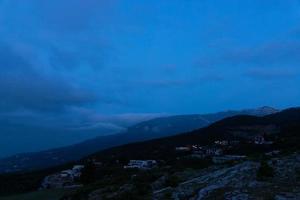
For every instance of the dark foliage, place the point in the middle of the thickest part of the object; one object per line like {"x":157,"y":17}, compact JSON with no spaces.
{"x":265,"y":171}
{"x":88,"y":173}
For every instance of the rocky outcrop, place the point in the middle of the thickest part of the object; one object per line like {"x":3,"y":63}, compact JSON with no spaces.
{"x":240,"y":182}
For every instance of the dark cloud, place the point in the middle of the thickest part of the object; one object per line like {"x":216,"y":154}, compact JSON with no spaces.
{"x":165,"y":83}
{"x":94,"y":56}
{"x":285,"y":52}
{"x":270,"y":54}
{"x":272,"y":74}
{"x":23,"y":87}
{"x":75,"y":15}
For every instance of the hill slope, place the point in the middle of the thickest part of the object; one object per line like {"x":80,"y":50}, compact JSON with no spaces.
{"x":284,"y":125}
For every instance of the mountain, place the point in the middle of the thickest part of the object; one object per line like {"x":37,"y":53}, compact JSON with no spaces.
{"x":155,"y":128}
{"x":33,"y":138}
{"x":165,"y":126}
{"x":284,"y":125}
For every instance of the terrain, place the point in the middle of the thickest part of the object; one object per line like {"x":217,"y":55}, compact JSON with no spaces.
{"x":155,"y":128}
{"x":180,"y":176}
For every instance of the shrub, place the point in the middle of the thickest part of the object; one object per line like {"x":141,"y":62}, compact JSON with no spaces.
{"x":172,"y":181}
{"x":265,"y":171}
{"x":88,"y":173}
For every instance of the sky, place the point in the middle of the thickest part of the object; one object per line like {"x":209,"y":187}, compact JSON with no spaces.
{"x":95,"y":63}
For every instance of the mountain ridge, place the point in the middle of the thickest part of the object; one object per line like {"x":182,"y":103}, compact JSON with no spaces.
{"x":287,"y":122}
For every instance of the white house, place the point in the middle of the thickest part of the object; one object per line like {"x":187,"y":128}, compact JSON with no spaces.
{"x":214,"y":151}
{"x":222,"y":142}
{"x":63,"y":179}
{"x":141,"y":164}
{"x":182,"y":148}
{"x":77,"y":170}
{"x":259,"y":139}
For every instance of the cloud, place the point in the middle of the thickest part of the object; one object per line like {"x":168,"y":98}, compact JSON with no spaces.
{"x":270,"y":54}
{"x":89,"y":54}
{"x":60,"y":33}
{"x":60,"y":15}
{"x":164,"y":83}
{"x":285,"y":52}
{"x":23,"y":87}
{"x":272,"y":74}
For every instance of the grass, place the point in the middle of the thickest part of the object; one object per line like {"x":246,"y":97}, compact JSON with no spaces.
{"x":55,"y":194}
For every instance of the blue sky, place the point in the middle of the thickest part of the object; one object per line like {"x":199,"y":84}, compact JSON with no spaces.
{"x":88,"y":61}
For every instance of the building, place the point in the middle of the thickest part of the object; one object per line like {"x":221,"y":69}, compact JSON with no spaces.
{"x":63,"y":179}
{"x":76,"y":171}
{"x":259,"y":139}
{"x":186,"y":148}
{"x":222,"y":142}
{"x":196,"y":147}
{"x":141,"y":164}
{"x":272,"y":153}
{"x":213,"y":151}
{"x":59,"y":180}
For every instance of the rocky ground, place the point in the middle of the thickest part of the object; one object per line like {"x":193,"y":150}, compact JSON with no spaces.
{"x":244,"y":180}
{"x":240,"y":182}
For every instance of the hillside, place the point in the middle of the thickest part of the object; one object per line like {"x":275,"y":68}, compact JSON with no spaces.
{"x":285,"y":124}
{"x":155,"y":128}
{"x":283,"y":128}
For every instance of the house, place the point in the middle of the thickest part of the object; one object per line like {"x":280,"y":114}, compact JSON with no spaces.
{"x":259,"y":139}
{"x":272,"y":153}
{"x":186,"y":148}
{"x":63,"y":179}
{"x":76,"y":171}
{"x":196,"y":147}
{"x":222,"y":142}
{"x":67,"y":173}
{"x":58,"y":180}
{"x":213,"y":151}
{"x":141,"y":164}
{"x":199,"y":153}
{"x":208,"y":151}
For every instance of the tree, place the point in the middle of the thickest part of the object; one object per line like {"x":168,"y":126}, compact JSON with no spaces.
{"x":88,"y":173}
{"x":265,"y":170}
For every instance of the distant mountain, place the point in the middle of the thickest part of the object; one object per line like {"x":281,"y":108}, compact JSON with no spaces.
{"x":165,"y":126}
{"x":283,"y":126}
{"x":155,"y":128}
{"x":16,"y":137}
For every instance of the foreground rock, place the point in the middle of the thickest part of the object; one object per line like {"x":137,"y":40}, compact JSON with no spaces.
{"x":240,"y":182}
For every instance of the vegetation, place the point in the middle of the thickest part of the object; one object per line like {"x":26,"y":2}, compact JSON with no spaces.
{"x":265,"y":171}
{"x":88,"y":173}
{"x":172,"y":181}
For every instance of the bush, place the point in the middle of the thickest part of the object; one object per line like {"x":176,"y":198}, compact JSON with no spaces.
{"x":265,"y":171}
{"x":172,"y":181}
{"x":168,"y":195}
{"x":88,"y":173}
{"x":298,"y":173}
